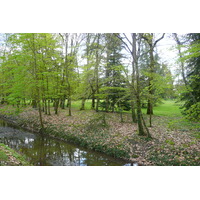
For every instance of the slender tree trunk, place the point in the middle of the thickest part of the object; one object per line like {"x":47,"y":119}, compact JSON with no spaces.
{"x":62,"y":102}
{"x":49,"y":109}
{"x":83,"y":104}
{"x":97,"y":73}
{"x":142,"y":131}
{"x":133,"y":114}
{"x":56,"y":105}
{"x":40,"y":117}
{"x":70,"y":106}
{"x":97,"y":105}
{"x":121,"y":113}
{"x":34,"y":103}
{"x":38,"y":95}
{"x":133,"y":79}
{"x":150,"y":103}
{"x":93,"y":101}
{"x":45,"y":106}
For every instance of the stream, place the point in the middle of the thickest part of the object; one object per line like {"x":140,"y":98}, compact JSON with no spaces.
{"x":46,"y":151}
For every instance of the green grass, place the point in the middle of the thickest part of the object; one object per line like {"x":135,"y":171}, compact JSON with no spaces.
{"x":167,"y":108}
{"x":77,"y":104}
{"x":5,"y":155}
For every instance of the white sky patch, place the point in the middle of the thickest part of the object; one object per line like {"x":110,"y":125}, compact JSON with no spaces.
{"x":167,"y":52}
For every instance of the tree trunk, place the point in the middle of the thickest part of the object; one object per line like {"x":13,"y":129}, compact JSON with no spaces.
{"x":107,"y":104}
{"x":70,"y":106}
{"x":149,"y":108}
{"x":56,"y":105}
{"x":133,"y":114}
{"x":49,"y":111}
{"x":40,"y":117}
{"x":97,"y":71}
{"x":150,"y":103}
{"x":34,"y":103}
{"x":93,"y":102}
{"x":45,"y":106}
{"x":142,"y":130}
{"x":83,"y":104}
{"x":62,"y":102}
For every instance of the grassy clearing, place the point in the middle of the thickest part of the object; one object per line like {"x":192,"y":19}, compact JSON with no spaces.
{"x":174,"y":120}
{"x":77,"y":104}
{"x":168,"y":108}
{"x":9,"y":157}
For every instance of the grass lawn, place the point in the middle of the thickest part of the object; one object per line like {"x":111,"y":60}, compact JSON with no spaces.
{"x":168,"y":108}
{"x":77,"y":104}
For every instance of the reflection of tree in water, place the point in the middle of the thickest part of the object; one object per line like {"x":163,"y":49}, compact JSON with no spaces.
{"x":46,"y":151}
{"x":91,"y":159}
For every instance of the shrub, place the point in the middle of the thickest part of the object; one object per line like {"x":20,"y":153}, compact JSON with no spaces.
{"x":193,"y":113}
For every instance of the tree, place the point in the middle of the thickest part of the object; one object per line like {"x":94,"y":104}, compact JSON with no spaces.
{"x":30,"y":58}
{"x":149,"y":38}
{"x":133,"y":46}
{"x":113,"y":81}
{"x":191,"y":96}
{"x":69,"y":83}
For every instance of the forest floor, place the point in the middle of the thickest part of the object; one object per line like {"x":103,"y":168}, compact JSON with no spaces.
{"x":175,"y":141}
{"x":8,"y":157}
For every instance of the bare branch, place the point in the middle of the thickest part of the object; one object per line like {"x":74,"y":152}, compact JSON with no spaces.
{"x":158,"y":40}
{"x":127,"y":39}
{"x":61,"y":36}
{"x":127,"y":47}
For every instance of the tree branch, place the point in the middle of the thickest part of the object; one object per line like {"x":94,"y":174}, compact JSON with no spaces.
{"x":158,"y":40}
{"x":123,"y":42}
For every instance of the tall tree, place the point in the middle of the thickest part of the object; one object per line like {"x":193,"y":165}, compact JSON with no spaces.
{"x":31,"y":56}
{"x":191,"y":96}
{"x":150,"y":39}
{"x":114,"y":80}
{"x":133,"y":45}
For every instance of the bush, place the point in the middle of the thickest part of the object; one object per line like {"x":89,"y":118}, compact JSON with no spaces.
{"x":193,"y":113}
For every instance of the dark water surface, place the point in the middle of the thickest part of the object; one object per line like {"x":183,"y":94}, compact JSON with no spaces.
{"x":47,"y":151}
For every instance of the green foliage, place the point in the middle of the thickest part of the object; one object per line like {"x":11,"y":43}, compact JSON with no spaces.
{"x":191,"y":94}
{"x":3,"y":157}
{"x":170,"y":142}
{"x":193,"y":113}
{"x":97,"y":123}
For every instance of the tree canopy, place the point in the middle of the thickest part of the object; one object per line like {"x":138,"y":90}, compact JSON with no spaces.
{"x":117,"y":71}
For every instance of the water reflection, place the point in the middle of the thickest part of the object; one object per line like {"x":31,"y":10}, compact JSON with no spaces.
{"x":46,"y":151}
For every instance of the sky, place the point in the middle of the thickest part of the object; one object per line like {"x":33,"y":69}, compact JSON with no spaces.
{"x":167,"y":52}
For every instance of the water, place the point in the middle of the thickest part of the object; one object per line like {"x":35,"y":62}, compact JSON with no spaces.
{"x":47,"y":151}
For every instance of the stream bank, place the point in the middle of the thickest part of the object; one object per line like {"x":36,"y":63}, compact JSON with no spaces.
{"x":86,"y":131}
{"x":103,"y":132}
{"x":42,"y":150}
{"x":9,"y":157}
